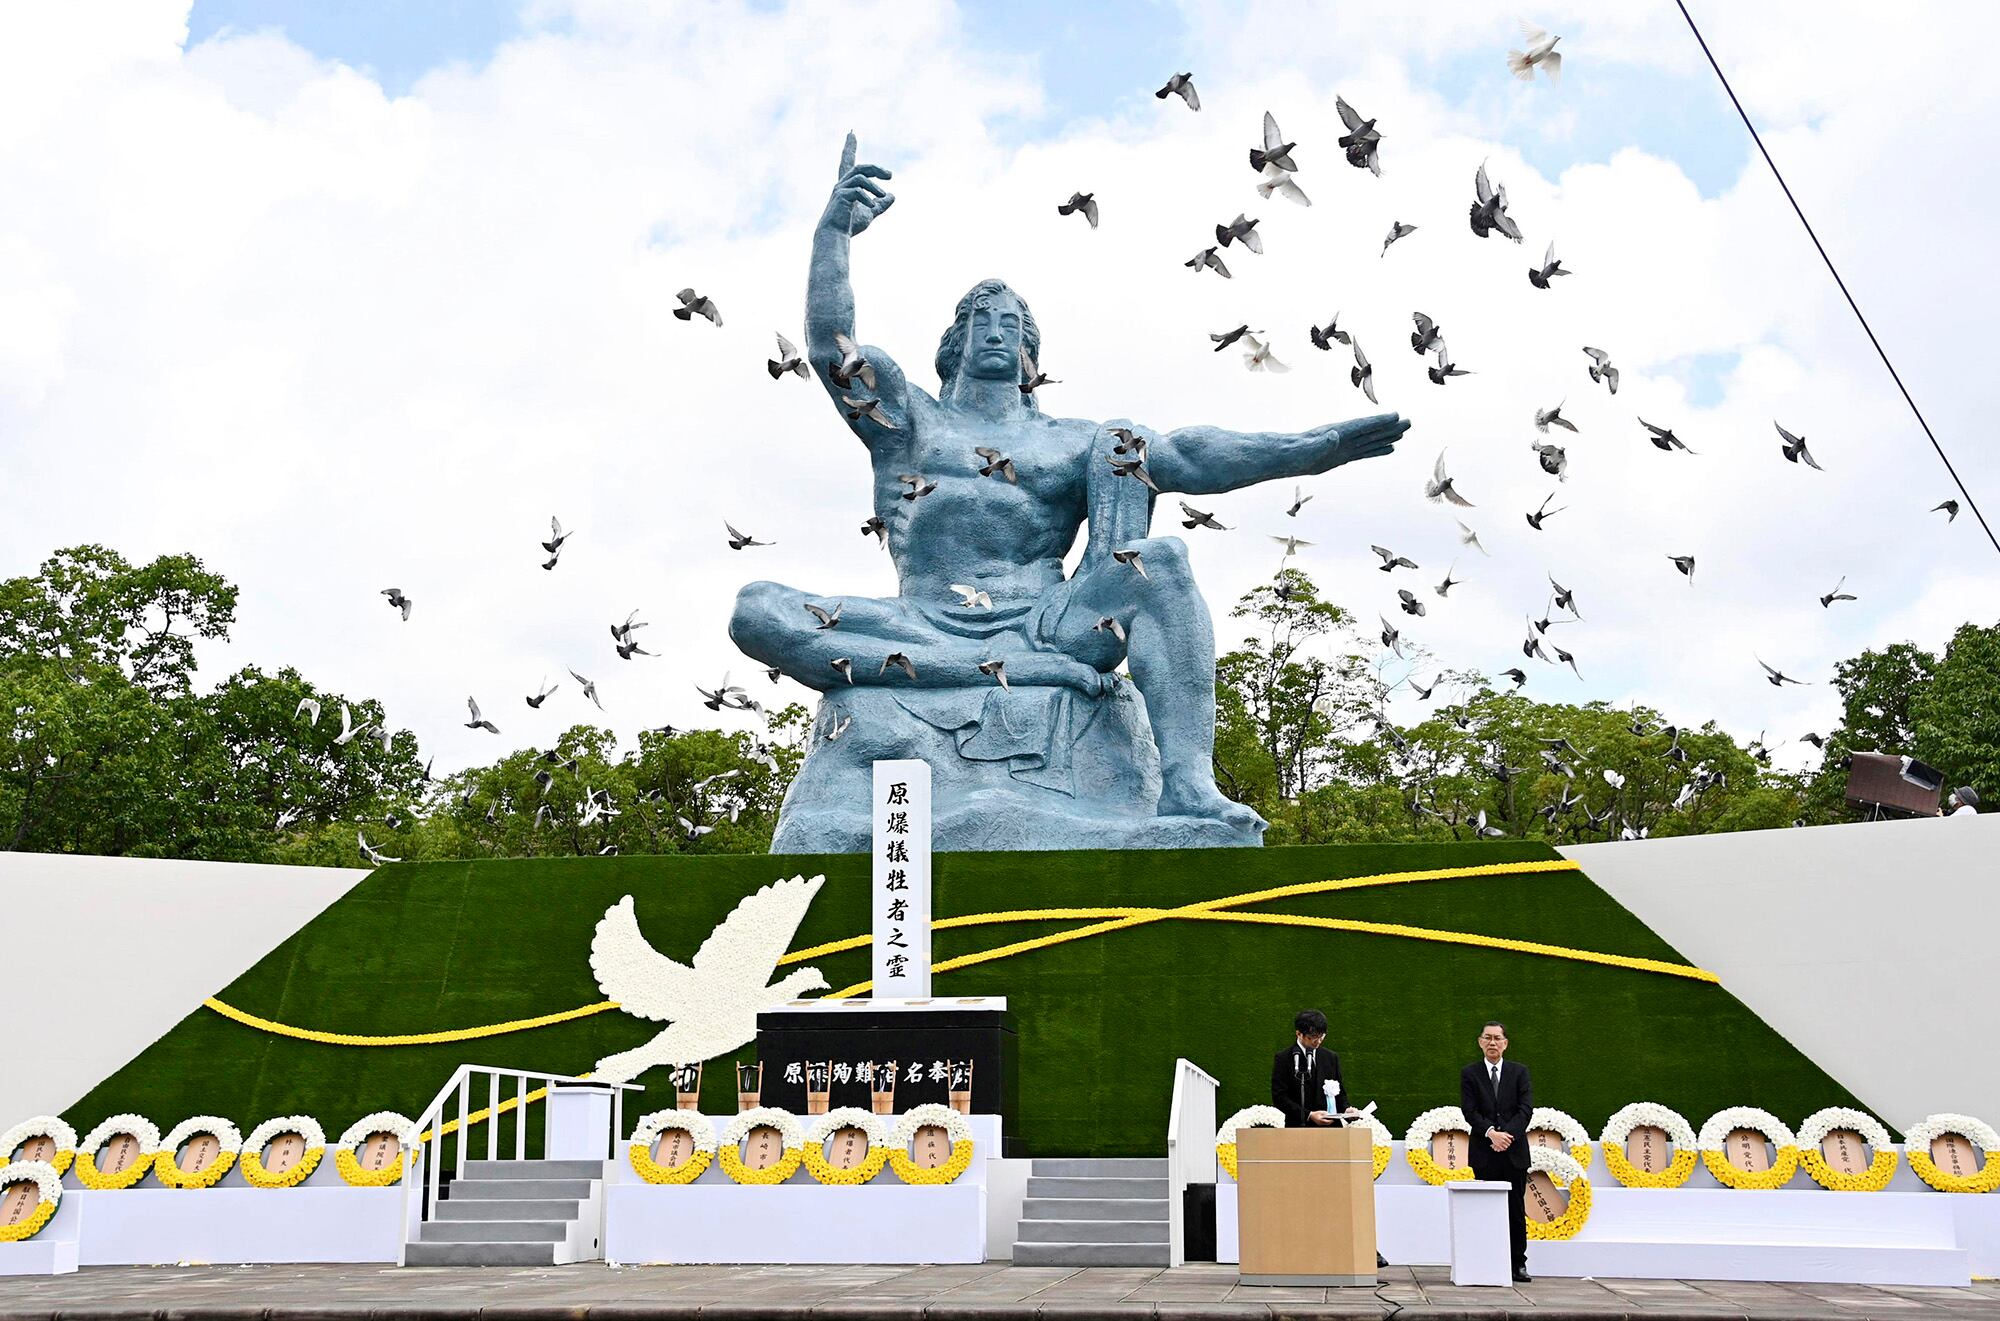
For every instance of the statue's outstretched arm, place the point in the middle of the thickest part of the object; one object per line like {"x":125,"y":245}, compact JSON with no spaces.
{"x":855,"y":202}
{"x":1200,"y":460}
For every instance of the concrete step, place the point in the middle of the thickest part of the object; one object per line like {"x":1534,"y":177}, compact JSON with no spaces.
{"x":1070,"y":1167}
{"x":1090,"y":1254}
{"x":479,"y":1254}
{"x":1093,"y":1231}
{"x":534,"y":1169}
{"x":1092,"y":1208}
{"x":1124,"y":1189}
{"x":493,"y":1231}
{"x":491,"y":1190}
{"x":562,"y":1208}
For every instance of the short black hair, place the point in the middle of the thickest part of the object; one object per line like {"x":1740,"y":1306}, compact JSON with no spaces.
{"x":1493,"y":1022}
{"x":1309,"y":1023}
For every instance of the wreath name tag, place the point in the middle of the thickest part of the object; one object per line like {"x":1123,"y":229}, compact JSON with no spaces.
{"x":847,"y":1148}
{"x":1845,"y":1152}
{"x":119,"y":1154}
{"x":1548,"y":1139}
{"x":1954,"y":1154}
{"x":19,"y":1201}
{"x":198,"y":1153}
{"x":1544,"y":1201}
{"x":1748,"y":1150}
{"x":1449,"y":1149}
{"x":930,"y":1148}
{"x":283,"y":1151}
{"x":1649,"y":1149}
{"x":379,"y":1150}
{"x":763,"y":1147}
{"x":39,"y":1147}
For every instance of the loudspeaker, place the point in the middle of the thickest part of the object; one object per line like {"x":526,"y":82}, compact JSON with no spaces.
{"x":1889,"y":783}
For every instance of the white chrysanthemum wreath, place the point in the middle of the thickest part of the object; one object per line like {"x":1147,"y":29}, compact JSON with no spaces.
{"x":825,"y":1126}
{"x":347,"y":1159}
{"x":252,"y":1160}
{"x":1917,"y":1141}
{"x":696,"y":1125}
{"x":730,"y":1145}
{"x":1417,"y":1144}
{"x":1649,"y":1114}
{"x":138,"y":1126}
{"x":48,"y":1187}
{"x":1724,"y":1122}
{"x":1882,"y":1152}
{"x":956,"y":1128}
{"x":167,"y":1164}
{"x":1576,"y":1138}
{"x":51,"y":1127}
{"x":1567,"y":1173}
{"x":1250,"y":1116}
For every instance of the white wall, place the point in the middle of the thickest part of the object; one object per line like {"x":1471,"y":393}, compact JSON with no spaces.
{"x":1870,"y":947}
{"x":108,"y":953}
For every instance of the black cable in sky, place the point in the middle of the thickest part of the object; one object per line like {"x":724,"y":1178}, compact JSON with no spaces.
{"x":1835,"y":272}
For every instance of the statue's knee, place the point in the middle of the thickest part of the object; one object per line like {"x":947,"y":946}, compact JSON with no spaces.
{"x":1166,"y":558}
{"x":758,"y":614}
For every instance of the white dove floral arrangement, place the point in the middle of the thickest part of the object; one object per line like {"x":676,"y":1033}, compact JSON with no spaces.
{"x":700,"y":1130}
{"x":1250,"y":1116}
{"x":956,"y":1130}
{"x":1648,"y":1114}
{"x":1917,"y":1141}
{"x":1575,"y":1137}
{"x":138,"y":1127}
{"x":1417,"y":1144}
{"x":711,"y":1003}
{"x":1716,"y":1156}
{"x":51,"y":1127}
{"x":825,"y":1126}
{"x":1566,"y":1172}
{"x":730,"y":1144}
{"x":252,"y":1161}
{"x":1881,"y":1160}
{"x":48,"y":1189}
{"x":347,"y":1160}
{"x":167,"y":1166}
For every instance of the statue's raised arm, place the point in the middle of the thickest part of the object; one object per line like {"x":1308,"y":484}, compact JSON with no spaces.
{"x":865,"y":383}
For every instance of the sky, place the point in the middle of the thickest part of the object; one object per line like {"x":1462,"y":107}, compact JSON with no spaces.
{"x":339,"y":297}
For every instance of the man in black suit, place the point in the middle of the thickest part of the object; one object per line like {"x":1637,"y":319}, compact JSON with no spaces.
{"x":1299,"y":1075}
{"x":1497,"y":1099}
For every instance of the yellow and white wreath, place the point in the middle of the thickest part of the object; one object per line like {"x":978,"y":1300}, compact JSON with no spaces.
{"x":140,"y":1127}
{"x":48,"y":1186}
{"x":1650,"y":1114}
{"x":167,"y":1164}
{"x":1576,"y":1138}
{"x":1417,"y":1144}
{"x":347,"y":1159}
{"x":1567,"y":1172}
{"x":1250,"y":1116}
{"x":1882,"y":1158}
{"x":696,"y":1125}
{"x":1917,"y":1141}
{"x":730,"y":1145}
{"x":51,"y":1127}
{"x":1724,"y":1122}
{"x":825,"y":1126}
{"x":955,"y":1127}
{"x":251,"y":1162}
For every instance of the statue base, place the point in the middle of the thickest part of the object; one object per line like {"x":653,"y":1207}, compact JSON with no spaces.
{"x":1026,"y":768}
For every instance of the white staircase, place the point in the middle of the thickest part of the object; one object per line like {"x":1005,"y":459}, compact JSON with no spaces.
{"x":515,"y":1213}
{"x":1094,"y":1213}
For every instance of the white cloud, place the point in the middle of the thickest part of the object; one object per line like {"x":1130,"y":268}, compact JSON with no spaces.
{"x":332,"y":340}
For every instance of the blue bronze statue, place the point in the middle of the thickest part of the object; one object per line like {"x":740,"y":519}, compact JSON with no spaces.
{"x":990,"y":664}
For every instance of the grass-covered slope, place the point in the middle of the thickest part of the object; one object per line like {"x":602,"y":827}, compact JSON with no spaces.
{"x":424,"y":947}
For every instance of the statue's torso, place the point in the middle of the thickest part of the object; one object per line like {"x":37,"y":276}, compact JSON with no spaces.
{"x":1006,"y":538}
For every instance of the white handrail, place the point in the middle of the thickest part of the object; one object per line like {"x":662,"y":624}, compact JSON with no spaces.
{"x":431,"y":1125}
{"x":1190,"y":1146}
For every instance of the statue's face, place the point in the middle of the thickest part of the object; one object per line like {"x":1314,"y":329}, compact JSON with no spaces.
{"x":993,"y":339}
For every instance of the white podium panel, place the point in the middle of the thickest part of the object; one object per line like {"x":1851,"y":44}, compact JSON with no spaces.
{"x":230,"y":1226}
{"x":1480,"y":1243}
{"x":51,"y":1252}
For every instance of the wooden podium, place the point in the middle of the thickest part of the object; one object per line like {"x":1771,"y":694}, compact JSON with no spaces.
{"x":1305,"y":1206}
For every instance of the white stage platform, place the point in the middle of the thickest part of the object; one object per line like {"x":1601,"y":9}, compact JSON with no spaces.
{"x":51,"y":1252}
{"x":1906,"y":1234}
{"x":715,"y":1221}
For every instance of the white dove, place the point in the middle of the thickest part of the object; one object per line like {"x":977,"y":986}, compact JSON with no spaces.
{"x":712,"y":1005}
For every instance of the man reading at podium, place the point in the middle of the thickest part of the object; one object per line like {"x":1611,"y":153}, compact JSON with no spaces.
{"x":1498,"y":1099}
{"x":1300,"y":1073}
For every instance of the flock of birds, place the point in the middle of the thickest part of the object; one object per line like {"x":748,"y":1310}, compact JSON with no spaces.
{"x":1274,"y":160}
